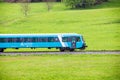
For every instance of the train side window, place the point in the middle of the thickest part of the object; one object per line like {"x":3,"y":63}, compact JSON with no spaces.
{"x":6,"y":40}
{"x":10,"y":40}
{"x":25,"y":39}
{"x":65,"y":39}
{"x":69,"y":39}
{"x":50,"y":39}
{"x":29,"y":39}
{"x":56,"y":39}
{"x":53,"y":39}
{"x":15,"y":39}
{"x":21,"y":39}
{"x":2,"y":40}
{"x":44,"y":39}
{"x":34,"y":39}
{"x":39,"y":39}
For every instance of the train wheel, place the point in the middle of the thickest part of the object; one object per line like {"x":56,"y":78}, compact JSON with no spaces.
{"x":83,"y":48}
{"x":1,"y":50}
{"x":71,"y":50}
{"x":62,"y":49}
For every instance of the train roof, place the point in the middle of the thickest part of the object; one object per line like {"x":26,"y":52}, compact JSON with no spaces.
{"x":46,"y":34}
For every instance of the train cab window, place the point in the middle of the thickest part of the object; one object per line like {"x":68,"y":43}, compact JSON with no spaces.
{"x":73,"y":39}
{"x":78,"y":39}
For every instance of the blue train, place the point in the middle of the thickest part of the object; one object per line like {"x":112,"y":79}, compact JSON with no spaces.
{"x":65,"y":41}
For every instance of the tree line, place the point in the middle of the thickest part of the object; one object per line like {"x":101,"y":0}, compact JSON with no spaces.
{"x":30,"y":0}
{"x":69,"y":3}
{"x":82,"y":3}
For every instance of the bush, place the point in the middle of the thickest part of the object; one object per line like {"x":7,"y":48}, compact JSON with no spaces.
{"x":1,"y":0}
{"x":105,"y":0}
{"x":79,"y":3}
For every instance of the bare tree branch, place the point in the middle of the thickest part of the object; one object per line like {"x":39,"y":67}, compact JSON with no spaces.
{"x":25,"y":6}
{"x":49,"y":4}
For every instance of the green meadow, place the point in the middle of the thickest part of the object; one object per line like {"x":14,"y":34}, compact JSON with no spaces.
{"x":61,"y":67}
{"x":100,"y":25}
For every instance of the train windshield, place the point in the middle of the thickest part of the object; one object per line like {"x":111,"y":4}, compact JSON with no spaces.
{"x":83,"y":39}
{"x":69,"y":39}
{"x":76,"y":39}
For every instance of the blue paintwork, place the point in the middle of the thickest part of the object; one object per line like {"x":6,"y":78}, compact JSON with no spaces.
{"x":30,"y":45}
{"x":38,"y":44}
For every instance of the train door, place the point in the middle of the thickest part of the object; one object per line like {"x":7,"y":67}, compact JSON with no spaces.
{"x":73,"y":42}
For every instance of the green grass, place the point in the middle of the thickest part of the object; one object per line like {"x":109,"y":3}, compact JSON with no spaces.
{"x":60,"y":67}
{"x":100,"y":25}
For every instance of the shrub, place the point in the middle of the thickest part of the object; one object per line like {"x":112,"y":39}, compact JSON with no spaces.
{"x":1,"y":0}
{"x":79,"y":3}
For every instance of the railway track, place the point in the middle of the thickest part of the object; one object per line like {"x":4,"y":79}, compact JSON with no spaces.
{"x":55,"y":52}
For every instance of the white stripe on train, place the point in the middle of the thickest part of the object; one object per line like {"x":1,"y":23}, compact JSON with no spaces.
{"x":60,"y":39}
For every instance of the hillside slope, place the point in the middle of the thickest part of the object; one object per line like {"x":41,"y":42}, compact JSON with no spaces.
{"x":99,"y":25}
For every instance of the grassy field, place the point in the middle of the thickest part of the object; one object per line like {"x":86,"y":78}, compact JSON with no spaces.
{"x":60,"y":67}
{"x":99,"y":25}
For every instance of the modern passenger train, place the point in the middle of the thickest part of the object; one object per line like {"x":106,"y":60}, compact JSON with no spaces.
{"x":61,"y":41}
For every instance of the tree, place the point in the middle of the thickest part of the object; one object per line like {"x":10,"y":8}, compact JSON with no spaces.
{"x":1,"y":0}
{"x":79,"y":3}
{"x":49,"y":4}
{"x":105,"y":0}
{"x":25,"y":6}
{"x":100,"y":1}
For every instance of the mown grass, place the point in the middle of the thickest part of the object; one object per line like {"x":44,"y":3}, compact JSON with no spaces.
{"x":99,"y":25}
{"x":60,"y":67}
